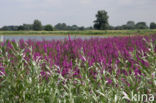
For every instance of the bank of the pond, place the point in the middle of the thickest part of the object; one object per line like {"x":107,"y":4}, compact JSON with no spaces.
{"x":85,"y":32}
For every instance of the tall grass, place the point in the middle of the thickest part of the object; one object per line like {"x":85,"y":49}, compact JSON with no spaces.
{"x":23,"y":81}
{"x":85,"y":32}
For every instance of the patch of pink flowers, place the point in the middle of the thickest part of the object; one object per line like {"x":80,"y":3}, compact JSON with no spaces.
{"x":63,"y":53}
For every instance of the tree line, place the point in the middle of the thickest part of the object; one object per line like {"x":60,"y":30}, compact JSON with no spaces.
{"x":37,"y":26}
{"x":101,"y":23}
{"x":130,"y":25}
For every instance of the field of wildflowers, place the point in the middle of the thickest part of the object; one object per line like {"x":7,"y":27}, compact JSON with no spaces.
{"x":96,"y":70}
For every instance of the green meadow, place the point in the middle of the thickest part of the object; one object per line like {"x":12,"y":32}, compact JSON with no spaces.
{"x":85,"y":32}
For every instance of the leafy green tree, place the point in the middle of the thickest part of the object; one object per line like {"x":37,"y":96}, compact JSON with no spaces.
{"x":118,"y":27}
{"x":130,"y":25}
{"x":89,"y":28}
{"x":81,"y":28}
{"x":111,"y":27}
{"x":61,"y":26}
{"x":74,"y":27}
{"x":48,"y":27}
{"x":10,"y":28}
{"x":28,"y":26}
{"x":37,"y":25}
{"x":101,"y":22}
{"x":141,"y":25}
{"x":20,"y":27}
{"x":152,"y":25}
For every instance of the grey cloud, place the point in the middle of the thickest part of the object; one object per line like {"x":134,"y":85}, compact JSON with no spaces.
{"x":80,"y":12}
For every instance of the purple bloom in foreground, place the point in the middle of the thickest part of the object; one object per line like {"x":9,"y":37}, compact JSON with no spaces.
{"x":109,"y":81}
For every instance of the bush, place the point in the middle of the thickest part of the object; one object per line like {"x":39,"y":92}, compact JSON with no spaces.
{"x":48,"y":27}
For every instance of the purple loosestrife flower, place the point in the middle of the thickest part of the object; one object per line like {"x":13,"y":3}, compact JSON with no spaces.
{"x":76,"y":72}
{"x":36,"y":55}
{"x":102,"y":50}
{"x":66,"y":66}
{"x":45,"y":75}
{"x":125,"y":72}
{"x":137,"y":71}
{"x":145,"y":63}
{"x":109,"y":81}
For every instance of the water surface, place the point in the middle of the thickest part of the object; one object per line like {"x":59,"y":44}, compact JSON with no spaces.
{"x":43,"y":37}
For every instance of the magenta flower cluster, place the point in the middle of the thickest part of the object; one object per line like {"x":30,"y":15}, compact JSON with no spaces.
{"x":105,"y":51}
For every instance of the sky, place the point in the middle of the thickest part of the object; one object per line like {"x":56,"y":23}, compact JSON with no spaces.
{"x":79,"y":12}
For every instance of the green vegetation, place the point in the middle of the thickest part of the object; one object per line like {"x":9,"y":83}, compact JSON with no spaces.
{"x":141,"y":25}
{"x":22,"y":81}
{"x":101,"y":22}
{"x":48,"y":27}
{"x":153,"y":25}
{"x":37,"y":25}
{"x":85,"y":32}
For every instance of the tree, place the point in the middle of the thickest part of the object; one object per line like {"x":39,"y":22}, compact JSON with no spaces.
{"x":10,"y":28}
{"x":74,"y":27}
{"x":48,"y":27}
{"x":20,"y":27}
{"x":152,"y":25}
{"x":118,"y":28}
{"x":37,"y":25}
{"x":81,"y":28}
{"x":28,"y":26}
{"x":101,"y":22}
{"x":61,"y":26}
{"x":141,"y":25}
{"x":130,"y":25}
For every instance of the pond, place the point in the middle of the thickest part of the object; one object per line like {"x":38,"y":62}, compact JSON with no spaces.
{"x":43,"y":37}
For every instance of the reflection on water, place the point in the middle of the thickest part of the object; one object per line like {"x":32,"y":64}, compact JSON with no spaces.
{"x":1,"y":38}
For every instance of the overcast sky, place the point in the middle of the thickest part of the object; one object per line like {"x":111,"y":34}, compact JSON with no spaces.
{"x":79,"y":12}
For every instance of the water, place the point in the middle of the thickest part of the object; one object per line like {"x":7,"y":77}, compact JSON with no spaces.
{"x":41,"y":37}
{"x":1,"y":38}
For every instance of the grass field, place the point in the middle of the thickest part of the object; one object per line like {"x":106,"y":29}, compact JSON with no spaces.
{"x":85,"y":32}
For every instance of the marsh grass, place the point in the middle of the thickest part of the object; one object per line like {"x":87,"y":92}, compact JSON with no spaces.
{"x":85,"y":32}
{"x":23,"y":82}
